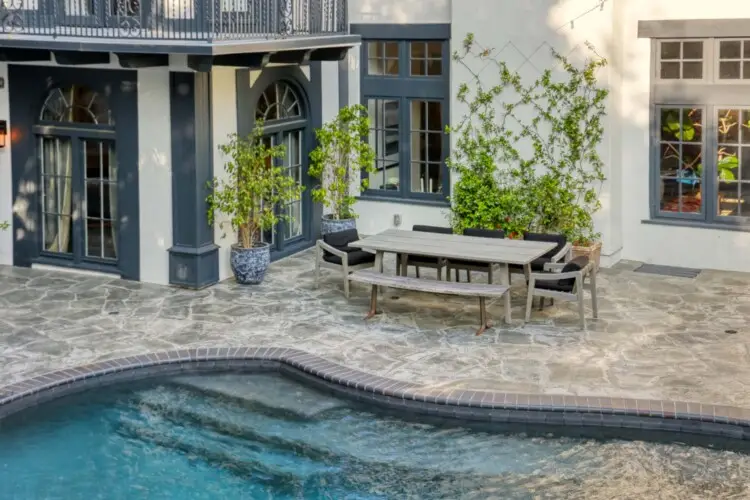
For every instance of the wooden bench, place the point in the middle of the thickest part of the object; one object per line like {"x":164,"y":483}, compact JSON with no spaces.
{"x":481,"y":290}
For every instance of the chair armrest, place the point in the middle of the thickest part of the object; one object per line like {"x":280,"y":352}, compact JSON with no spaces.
{"x":328,"y":248}
{"x":563,"y":253}
{"x":555,"y":276}
{"x":554,"y":266}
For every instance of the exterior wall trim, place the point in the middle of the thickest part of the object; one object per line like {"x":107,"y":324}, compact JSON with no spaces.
{"x":28,"y":86}
{"x":694,"y":28}
{"x":403,"y":31}
{"x":193,"y":258}
{"x":247,"y":99}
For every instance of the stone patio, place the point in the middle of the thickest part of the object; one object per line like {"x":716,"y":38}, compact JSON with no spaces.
{"x":657,"y":337}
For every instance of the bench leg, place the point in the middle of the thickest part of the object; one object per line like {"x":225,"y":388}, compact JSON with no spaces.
{"x":483,"y":319}
{"x":373,"y":302}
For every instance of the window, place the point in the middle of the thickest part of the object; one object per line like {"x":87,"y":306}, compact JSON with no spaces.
{"x":382,"y":58}
{"x":681,"y":60}
{"x":405,"y":87}
{"x":701,"y":142}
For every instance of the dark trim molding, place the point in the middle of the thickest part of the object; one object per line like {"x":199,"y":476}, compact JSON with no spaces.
{"x":693,"y":28}
{"x":311,"y":92}
{"x":193,"y":47}
{"x":654,"y":420}
{"x":193,"y":258}
{"x":28,"y":87}
{"x":402,"y":31}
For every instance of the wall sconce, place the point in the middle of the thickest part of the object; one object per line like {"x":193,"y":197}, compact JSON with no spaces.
{"x":3,"y":132}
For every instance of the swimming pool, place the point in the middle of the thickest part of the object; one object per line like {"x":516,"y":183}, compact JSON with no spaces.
{"x":265,"y":436}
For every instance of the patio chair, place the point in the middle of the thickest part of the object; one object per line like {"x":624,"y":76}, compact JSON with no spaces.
{"x":564,"y":282}
{"x":334,"y":252}
{"x":561,"y":252}
{"x":469,"y":265}
{"x":423,"y":260}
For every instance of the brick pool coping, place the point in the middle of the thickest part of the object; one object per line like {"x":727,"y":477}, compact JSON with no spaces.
{"x":465,"y":404}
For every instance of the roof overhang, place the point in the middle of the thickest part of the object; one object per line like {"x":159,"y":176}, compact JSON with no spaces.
{"x":202,"y":55}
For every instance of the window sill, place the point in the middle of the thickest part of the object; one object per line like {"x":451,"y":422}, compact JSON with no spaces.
{"x":405,"y":201}
{"x":697,"y":225}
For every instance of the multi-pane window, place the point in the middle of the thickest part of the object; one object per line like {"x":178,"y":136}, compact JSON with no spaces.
{"x":384,"y":138}
{"x":681,"y":60}
{"x":426,"y":146}
{"x":733,"y":162}
{"x":382,"y":58}
{"x":734,"y":59}
{"x":701,"y":167}
{"x":405,"y":88}
{"x":425,"y":58}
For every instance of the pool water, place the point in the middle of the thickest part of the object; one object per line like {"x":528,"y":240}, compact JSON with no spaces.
{"x":236,"y":436}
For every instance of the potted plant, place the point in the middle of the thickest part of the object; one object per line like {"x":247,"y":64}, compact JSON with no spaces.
{"x":249,"y":195}
{"x":342,"y":154}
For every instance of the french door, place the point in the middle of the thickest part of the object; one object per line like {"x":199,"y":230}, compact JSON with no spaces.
{"x":79,"y":199}
{"x":292,"y":230}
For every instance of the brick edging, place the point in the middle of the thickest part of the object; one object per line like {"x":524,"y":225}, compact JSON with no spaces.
{"x":654,"y":415}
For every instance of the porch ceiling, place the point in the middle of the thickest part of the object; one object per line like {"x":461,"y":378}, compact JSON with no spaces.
{"x":202,"y":55}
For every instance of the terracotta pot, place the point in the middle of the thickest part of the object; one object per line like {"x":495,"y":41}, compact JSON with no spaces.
{"x":592,"y":251}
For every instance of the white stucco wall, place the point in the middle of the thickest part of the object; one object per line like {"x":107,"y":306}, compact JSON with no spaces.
{"x":6,"y":185}
{"x":224,"y":119}
{"x":679,"y":246}
{"x":400,"y":11}
{"x":154,"y":174}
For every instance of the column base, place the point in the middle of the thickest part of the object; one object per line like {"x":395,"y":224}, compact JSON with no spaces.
{"x":194,"y":267}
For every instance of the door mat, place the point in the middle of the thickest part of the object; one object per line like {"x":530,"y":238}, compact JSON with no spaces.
{"x":677,"y":272}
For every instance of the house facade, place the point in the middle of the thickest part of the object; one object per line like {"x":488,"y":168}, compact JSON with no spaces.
{"x":113,"y":115}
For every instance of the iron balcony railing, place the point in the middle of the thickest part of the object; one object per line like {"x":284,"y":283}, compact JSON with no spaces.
{"x":174,"y":19}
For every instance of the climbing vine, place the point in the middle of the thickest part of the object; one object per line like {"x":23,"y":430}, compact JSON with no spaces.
{"x":527,"y":152}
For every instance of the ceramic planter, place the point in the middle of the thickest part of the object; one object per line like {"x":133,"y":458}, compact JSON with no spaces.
{"x":249,"y":265}
{"x":329,"y":225}
{"x":592,"y":251}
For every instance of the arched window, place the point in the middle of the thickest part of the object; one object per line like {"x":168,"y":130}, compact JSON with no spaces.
{"x":279,"y":102}
{"x":76,"y":104}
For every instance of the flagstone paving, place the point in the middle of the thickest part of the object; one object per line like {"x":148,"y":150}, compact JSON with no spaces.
{"x":657,"y":337}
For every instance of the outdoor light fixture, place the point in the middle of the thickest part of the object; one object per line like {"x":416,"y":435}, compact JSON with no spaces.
{"x":3,"y":132}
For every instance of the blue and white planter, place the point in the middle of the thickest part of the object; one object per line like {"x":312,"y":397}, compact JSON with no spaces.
{"x":249,"y":265}
{"x":329,"y":225}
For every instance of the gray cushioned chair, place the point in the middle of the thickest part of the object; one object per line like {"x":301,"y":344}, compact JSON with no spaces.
{"x":418,"y":261}
{"x":469,"y":265}
{"x":333,"y":251}
{"x":564,"y":282}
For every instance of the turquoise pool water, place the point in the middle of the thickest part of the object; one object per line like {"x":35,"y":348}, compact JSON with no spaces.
{"x":265,"y":437}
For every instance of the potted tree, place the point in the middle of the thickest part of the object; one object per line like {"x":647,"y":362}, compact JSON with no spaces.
{"x":342,"y":154}
{"x":249,"y":196}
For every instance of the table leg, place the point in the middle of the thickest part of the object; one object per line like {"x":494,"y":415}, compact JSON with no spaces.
{"x":505,"y":280}
{"x":403,"y":264}
{"x":379,"y":263}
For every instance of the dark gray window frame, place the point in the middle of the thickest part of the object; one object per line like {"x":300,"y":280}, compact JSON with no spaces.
{"x":405,"y":88}
{"x":709,"y":94}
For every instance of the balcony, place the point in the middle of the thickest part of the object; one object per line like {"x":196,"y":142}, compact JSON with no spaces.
{"x":194,"y":27}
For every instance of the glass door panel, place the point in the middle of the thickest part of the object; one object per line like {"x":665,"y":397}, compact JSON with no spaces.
{"x":100,"y":206}
{"x":56,"y":165}
{"x":293,"y":166}
{"x":269,"y":235}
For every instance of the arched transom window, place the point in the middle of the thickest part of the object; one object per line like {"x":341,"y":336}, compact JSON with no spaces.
{"x":279,"y":102}
{"x":76,"y":104}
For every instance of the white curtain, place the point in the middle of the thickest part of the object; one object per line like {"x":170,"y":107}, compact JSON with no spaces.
{"x":58,"y":186}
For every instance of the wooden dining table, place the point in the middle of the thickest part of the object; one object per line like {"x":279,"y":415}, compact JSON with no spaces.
{"x":491,"y":251}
